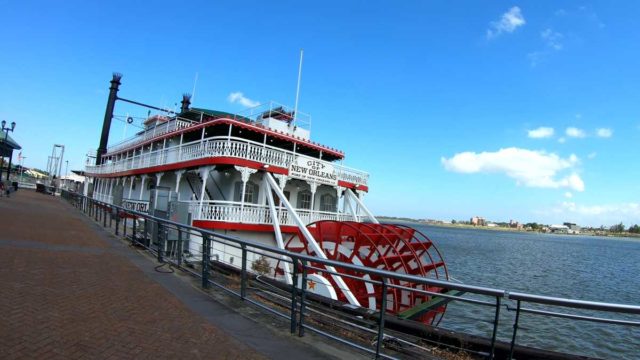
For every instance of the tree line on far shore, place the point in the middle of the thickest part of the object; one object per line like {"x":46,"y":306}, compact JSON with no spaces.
{"x":620,"y":228}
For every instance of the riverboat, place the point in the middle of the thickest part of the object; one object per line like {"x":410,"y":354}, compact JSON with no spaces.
{"x":257,"y":175}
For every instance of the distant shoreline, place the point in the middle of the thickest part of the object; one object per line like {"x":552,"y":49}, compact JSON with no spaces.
{"x":505,"y":229}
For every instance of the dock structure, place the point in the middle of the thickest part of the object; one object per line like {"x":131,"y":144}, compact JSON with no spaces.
{"x":70,"y":290}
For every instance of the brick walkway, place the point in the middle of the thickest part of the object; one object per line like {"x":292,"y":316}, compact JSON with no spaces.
{"x":67,"y":292}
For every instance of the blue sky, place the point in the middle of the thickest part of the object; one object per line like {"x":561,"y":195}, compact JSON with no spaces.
{"x":522,"y":110}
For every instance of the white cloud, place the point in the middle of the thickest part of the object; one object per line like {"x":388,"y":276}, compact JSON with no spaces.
{"x":568,"y":195}
{"x":509,"y":22}
{"x":552,"y":39}
{"x":604,"y":132}
{"x":595,"y":215}
{"x":541,"y":132}
{"x":592,"y":155}
{"x":575,"y":132}
{"x":624,"y":208}
{"x":529,"y":168}
{"x":238,"y":97}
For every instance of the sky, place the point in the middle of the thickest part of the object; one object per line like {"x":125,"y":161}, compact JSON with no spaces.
{"x":524,"y":110}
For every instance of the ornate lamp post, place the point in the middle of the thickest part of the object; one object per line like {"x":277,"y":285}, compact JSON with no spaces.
{"x":6,"y":130}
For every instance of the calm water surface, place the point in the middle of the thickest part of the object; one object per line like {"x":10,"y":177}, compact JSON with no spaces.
{"x":579,"y":267}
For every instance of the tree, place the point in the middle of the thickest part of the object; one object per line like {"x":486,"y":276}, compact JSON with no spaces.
{"x":533,"y":226}
{"x":617,"y":228}
{"x":635,"y":229}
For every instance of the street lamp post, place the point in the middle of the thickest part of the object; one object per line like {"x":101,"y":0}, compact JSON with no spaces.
{"x":6,"y":135}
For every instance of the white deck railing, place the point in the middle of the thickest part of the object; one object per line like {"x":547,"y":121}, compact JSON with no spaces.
{"x":103,"y":197}
{"x":221,"y":147}
{"x":235,"y":212}
{"x":157,"y":130}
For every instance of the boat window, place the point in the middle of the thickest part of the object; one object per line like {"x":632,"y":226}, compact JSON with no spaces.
{"x":328,"y":203}
{"x":304,"y":199}
{"x":250,"y":195}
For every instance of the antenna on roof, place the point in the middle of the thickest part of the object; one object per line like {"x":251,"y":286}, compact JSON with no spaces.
{"x":193,"y":93}
{"x":295,"y":109}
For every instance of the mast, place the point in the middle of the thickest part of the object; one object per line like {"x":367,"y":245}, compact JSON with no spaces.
{"x":295,"y":109}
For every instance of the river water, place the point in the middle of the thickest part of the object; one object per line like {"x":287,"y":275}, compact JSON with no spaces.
{"x":572,"y":266}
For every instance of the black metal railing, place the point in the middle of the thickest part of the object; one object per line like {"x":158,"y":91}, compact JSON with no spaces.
{"x":173,"y":243}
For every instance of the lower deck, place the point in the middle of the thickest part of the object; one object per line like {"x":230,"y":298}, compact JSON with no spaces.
{"x":230,"y":197}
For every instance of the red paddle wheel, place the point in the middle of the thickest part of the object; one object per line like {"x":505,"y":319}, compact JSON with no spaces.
{"x":395,"y":248}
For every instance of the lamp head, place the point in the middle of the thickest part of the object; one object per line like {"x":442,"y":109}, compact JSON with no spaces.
{"x":13,"y":125}
{"x":4,"y":122}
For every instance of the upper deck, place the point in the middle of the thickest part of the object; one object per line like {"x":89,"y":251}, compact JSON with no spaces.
{"x":266,"y":137}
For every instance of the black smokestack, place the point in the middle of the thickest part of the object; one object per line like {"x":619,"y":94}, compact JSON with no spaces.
{"x":108,"y":115}
{"x":186,"y":102}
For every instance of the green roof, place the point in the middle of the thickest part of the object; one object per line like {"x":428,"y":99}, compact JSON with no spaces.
{"x":10,"y":144}
{"x":194,"y":113}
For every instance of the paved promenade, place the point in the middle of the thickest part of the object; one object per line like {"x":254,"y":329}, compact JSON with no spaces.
{"x":68,"y":290}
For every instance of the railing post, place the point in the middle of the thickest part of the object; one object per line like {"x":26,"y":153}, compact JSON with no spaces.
{"x":124,"y":225}
{"x":160,"y":237}
{"x":117,"y":220}
{"x":383,"y":310}
{"x":303,"y":293}
{"x":206,"y":246}
{"x":515,"y":329}
{"x":495,"y":328}
{"x":294,"y":294}
{"x":180,"y":249}
{"x":110,"y":217}
{"x":243,"y":275}
{"x":146,"y":231}
{"x":134,"y":225}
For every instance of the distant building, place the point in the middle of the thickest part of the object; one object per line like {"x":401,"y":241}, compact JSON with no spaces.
{"x":573,"y":228}
{"x":478,"y":221}
{"x":515,"y":225}
{"x":559,"y":229}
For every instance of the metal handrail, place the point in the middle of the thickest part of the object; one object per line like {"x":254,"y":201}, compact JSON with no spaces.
{"x":603,"y":306}
{"x":305,"y":262}
{"x":578,"y":304}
